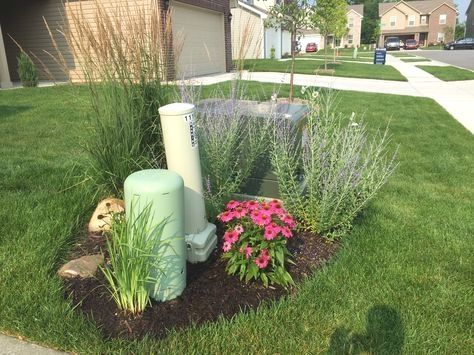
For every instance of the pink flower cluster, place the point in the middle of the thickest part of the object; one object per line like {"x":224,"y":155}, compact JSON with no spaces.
{"x":268,"y":218}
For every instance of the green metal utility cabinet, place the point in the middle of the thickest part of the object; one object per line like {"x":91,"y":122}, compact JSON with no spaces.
{"x":163,"y":190}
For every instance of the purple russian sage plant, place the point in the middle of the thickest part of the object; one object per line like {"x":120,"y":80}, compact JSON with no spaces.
{"x":338,"y":171}
{"x":231,"y":140}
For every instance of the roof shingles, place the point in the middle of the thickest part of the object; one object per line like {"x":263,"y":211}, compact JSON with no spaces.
{"x":423,"y":6}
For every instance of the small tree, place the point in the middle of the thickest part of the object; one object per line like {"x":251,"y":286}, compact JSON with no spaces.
{"x":291,"y":15}
{"x":330,"y":17}
{"x":340,"y":23}
{"x":448,"y":34}
{"x":27,"y":71}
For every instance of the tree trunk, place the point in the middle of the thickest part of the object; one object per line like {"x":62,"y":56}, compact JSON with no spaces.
{"x":293,"y":55}
{"x":326,"y":52}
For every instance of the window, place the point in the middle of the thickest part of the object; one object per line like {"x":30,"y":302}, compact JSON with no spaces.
{"x":423,"y":20}
{"x":440,"y":37}
{"x":393,"y":21}
{"x":442,"y":19}
{"x":351,"y":22}
{"x":350,"y":39}
{"x":411,"y":20}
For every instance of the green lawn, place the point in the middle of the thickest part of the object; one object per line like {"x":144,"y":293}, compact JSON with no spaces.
{"x":330,"y":57}
{"x":433,"y":48}
{"x":400,"y":54}
{"x":401,"y":283}
{"x":448,"y":73}
{"x":413,"y":60}
{"x":351,"y":70}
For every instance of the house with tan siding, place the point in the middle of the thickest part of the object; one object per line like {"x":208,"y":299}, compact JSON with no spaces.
{"x":470,"y":20}
{"x":202,"y":27}
{"x":428,"y":21}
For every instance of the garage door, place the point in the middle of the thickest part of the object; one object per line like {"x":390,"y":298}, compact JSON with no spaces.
{"x":199,"y":41}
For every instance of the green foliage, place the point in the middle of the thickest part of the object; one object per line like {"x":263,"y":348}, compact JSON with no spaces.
{"x":341,"y":168}
{"x":255,"y":241}
{"x":125,"y":134}
{"x":460,"y":30}
{"x":272,"y":53}
{"x":415,"y":237}
{"x":135,"y":251}
{"x":27,"y":71}
{"x":330,"y":18}
{"x":448,"y":34}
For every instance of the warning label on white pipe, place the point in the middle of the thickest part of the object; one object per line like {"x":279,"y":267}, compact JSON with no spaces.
{"x":192,"y":129}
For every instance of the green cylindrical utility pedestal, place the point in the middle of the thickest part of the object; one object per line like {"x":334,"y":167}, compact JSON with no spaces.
{"x":163,"y":191}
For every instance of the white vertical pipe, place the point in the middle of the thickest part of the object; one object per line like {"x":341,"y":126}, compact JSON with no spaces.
{"x":182,"y":157}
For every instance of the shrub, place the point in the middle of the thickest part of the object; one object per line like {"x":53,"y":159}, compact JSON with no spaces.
{"x":133,"y":249}
{"x":272,"y":53}
{"x":27,"y":71}
{"x":123,"y":63}
{"x":255,"y":241}
{"x":327,"y":180}
{"x":230,"y":142}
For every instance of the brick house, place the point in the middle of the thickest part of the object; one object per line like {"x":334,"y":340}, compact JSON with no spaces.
{"x":428,"y":21}
{"x":470,"y":20}
{"x":202,"y":25}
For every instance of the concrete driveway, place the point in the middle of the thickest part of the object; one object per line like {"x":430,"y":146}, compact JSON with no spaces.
{"x":461,"y":58}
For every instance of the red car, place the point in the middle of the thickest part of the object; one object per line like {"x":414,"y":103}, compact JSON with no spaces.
{"x":311,"y":47}
{"x":411,"y":44}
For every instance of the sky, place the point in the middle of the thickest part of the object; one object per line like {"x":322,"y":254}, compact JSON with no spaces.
{"x":462,"y":7}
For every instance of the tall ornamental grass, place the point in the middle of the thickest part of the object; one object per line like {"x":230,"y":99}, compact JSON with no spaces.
{"x":134,"y":249}
{"x":337,"y":169}
{"x":123,"y":57}
{"x":231,"y":141}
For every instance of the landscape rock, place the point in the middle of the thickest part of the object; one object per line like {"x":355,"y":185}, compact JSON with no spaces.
{"x":102,"y":216}
{"x":84,"y":267}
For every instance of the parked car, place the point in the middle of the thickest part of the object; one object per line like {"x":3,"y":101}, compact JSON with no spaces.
{"x":392,"y":43}
{"x":411,"y":44}
{"x":462,"y":43}
{"x":311,"y":47}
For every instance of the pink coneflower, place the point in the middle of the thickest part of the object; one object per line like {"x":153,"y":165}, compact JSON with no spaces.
{"x":289,"y":221}
{"x":269,"y":233}
{"x":276,"y":207}
{"x":263,"y":259}
{"x":275,"y":227}
{"x":226,"y":216}
{"x":266,"y":209}
{"x":226,"y":246}
{"x":248,"y":252}
{"x":286,"y":232}
{"x":251,"y":205}
{"x":240,"y":212}
{"x":261,"y":262}
{"x":261,"y":219}
{"x":239,"y":229}
{"x":232,"y":204}
{"x":231,"y":236}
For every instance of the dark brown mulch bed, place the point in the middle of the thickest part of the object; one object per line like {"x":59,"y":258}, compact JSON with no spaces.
{"x":209,"y":293}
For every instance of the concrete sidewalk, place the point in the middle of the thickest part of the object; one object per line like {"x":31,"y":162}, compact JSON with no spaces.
{"x":456,"y":97}
{"x":14,"y":346}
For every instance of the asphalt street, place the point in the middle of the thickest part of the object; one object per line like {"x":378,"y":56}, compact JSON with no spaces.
{"x":461,"y":58}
